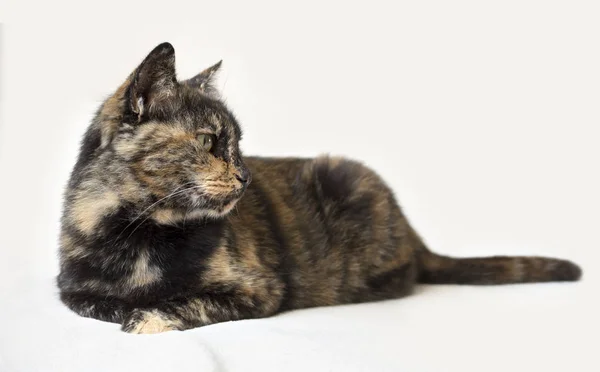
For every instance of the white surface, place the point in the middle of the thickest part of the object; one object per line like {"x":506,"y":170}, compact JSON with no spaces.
{"x":483,"y":117}
{"x":533,"y":328}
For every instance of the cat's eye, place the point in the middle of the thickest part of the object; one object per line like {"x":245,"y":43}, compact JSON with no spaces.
{"x":207,"y":141}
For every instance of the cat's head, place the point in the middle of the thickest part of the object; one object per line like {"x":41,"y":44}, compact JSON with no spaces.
{"x":175,"y":139}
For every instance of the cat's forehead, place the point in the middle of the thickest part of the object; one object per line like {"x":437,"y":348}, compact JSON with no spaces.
{"x":200,"y":112}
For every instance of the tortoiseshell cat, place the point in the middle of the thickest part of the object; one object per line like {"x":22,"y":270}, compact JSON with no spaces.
{"x":150,"y":237}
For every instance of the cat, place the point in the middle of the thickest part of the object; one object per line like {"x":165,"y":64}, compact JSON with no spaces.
{"x":166,"y":226}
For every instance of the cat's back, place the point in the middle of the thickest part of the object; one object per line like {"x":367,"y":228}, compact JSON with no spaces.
{"x":276,"y":168}
{"x":326,"y":178}
{"x":326,"y":197}
{"x":317,"y":201}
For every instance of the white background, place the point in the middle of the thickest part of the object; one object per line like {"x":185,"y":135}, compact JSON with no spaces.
{"x":483,"y":116}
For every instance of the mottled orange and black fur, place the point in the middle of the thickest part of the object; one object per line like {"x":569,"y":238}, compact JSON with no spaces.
{"x":161,"y":233}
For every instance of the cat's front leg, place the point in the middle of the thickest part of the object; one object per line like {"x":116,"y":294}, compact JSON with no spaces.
{"x":106,"y":308}
{"x":197,"y":311}
{"x":151,"y":320}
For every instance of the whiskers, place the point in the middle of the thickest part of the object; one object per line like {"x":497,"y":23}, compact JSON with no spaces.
{"x":174,"y":193}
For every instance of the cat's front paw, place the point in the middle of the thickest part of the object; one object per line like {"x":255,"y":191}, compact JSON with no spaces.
{"x":141,"y":321}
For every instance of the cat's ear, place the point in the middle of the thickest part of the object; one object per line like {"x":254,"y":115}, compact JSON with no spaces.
{"x":153,"y":81}
{"x":204,"y":80}
{"x":149,"y":85}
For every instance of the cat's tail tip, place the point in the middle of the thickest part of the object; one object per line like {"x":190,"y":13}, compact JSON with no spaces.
{"x":438,"y":269}
{"x":569,"y":271}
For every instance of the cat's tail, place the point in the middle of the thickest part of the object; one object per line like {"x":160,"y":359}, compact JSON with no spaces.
{"x":438,"y":269}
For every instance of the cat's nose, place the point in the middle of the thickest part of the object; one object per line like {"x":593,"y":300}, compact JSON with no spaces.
{"x":244,"y":176}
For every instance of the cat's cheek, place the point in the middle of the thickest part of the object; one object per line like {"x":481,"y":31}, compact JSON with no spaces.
{"x":153,"y":164}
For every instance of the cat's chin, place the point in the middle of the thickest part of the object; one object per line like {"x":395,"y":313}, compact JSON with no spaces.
{"x":214,"y":213}
{"x":169,"y":216}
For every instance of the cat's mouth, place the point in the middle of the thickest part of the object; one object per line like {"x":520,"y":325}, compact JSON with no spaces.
{"x":216,"y":205}
{"x":216,"y":211}
{"x":196,"y":201}
{"x":169,"y":216}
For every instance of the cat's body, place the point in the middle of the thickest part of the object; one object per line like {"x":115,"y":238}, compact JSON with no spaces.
{"x":161,"y":233}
